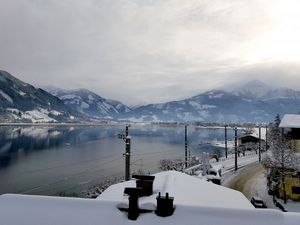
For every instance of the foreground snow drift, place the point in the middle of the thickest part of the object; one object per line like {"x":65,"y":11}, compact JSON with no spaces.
{"x":195,"y":202}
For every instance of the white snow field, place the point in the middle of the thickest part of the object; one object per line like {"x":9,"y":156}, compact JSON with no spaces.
{"x":196,"y":202}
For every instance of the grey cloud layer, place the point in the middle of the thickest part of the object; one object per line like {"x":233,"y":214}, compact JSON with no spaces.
{"x":137,"y":51}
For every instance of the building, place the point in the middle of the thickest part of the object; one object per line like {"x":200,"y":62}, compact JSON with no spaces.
{"x":290,"y":125}
{"x":292,"y":186}
{"x":195,"y":202}
{"x":250,"y":143}
{"x":292,"y":183}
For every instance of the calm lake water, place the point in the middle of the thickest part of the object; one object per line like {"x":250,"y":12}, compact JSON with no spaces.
{"x":51,"y":159}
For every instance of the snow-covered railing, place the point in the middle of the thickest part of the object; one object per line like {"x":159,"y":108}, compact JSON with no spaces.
{"x":192,"y":169}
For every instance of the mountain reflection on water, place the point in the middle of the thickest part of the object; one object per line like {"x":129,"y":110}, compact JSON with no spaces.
{"x":51,"y":159}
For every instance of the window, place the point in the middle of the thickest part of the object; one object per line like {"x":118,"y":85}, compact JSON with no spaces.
{"x":296,"y":190}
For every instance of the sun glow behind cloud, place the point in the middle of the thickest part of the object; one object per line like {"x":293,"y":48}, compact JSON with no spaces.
{"x":282,"y":41}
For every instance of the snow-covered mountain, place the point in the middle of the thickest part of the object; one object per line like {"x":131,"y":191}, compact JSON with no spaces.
{"x":22,"y":102}
{"x":89,"y":103}
{"x":258,"y":90}
{"x":252,"y":102}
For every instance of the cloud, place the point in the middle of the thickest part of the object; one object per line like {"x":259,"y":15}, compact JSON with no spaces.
{"x":140,"y":51}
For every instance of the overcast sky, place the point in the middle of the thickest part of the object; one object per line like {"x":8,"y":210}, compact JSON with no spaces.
{"x":149,"y":51}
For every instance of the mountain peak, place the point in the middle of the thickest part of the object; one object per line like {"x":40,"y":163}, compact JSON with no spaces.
{"x":253,"y":89}
{"x":255,"y":84}
{"x":22,"y":102}
{"x":90,"y":103}
{"x":5,"y":76}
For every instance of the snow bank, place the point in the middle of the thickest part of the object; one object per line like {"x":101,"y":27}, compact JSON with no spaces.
{"x":31,"y":210}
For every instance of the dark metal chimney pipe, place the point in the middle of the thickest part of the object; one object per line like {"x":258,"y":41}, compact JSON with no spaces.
{"x":164,"y":205}
{"x":133,"y":210}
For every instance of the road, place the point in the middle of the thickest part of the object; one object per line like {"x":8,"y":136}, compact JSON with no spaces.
{"x":250,"y":181}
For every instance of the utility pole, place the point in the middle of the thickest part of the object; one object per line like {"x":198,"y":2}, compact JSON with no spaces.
{"x":126,"y":130}
{"x":127,"y":158}
{"x":266,"y":138}
{"x":235,"y":149}
{"x":259,"y":144}
{"x":127,"y":154}
{"x":127,"y":139}
{"x":226,"y":149}
{"x":185,"y":145}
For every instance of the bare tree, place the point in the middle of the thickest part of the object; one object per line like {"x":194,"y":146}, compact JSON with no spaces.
{"x":216,"y":154}
{"x":171,"y":164}
{"x":280,"y":158}
{"x":249,"y":146}
{"x":249,"y":130}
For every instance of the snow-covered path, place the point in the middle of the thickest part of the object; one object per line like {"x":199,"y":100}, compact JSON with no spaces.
{"x":251,"y":181}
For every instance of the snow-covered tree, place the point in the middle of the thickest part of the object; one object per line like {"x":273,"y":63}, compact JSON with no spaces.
{"x":249,"y":130}
{"x":280,"y":158}
{"x":277,"y":120}
{"x":171,"y":164}
{"x":216,"y":154}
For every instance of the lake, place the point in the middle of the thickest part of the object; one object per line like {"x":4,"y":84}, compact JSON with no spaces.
{"x":52,"y":159}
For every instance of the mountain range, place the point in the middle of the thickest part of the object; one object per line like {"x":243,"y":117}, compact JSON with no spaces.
{"x":254,"y":101}
{"x":22,"y":102}
{"x":89,"y":103}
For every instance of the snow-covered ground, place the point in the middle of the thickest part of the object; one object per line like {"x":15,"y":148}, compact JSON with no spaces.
{"x":227,"y":165}
{"x":38,"y":115}
{"x":259,"y":188}
{"x":255,"y":184}
{"x":196,"y":202}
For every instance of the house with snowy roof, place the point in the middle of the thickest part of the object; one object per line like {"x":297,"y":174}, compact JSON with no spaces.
{"x":250,"y":143}
{"x":290,"y":124}
{"x":192,"y":201}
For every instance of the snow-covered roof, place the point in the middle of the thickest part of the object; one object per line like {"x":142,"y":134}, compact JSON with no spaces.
{"x":36,"y":210}
{"x":290,"y":121}
{"x":185,"y":189}
{"x":249,"y":136}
